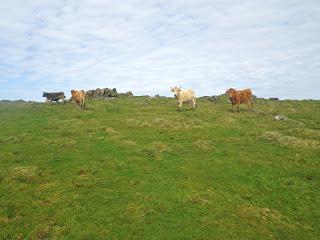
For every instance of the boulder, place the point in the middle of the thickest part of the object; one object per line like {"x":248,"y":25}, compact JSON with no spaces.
{"x":280,"y":117}
{"x":102,"y":93}
{"x":213,"y":98}
{"x":114,"y":93}
{"x":96,"y":93}
{"x":89,"y":93}
{"x":127,"y":94}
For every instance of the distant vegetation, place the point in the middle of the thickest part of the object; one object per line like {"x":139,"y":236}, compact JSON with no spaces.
{"x":136,"y":168}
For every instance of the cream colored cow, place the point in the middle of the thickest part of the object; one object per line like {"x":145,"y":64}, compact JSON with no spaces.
{"x":184,"y":96}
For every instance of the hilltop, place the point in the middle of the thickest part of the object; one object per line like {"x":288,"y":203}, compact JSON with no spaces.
{"x":137,"y":168}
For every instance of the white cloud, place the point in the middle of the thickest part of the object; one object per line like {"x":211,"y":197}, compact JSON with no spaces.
{"x":147,"y":46}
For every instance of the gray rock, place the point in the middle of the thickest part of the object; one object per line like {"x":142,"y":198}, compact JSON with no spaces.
{"x":102,"y":93}
{"x":280,"y":118}
{"x":127,"y":94}
{"x":213,"y":98}
{"x":89,"y":93}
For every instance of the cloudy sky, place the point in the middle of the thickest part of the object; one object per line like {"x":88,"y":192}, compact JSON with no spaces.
{"x":145,"y":46}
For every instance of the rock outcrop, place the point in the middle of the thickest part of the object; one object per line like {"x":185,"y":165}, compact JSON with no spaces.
{"x":107,"y":93}
{"x":102,"y":93}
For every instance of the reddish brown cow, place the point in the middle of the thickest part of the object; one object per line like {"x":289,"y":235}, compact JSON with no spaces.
{"x":238,"y":97}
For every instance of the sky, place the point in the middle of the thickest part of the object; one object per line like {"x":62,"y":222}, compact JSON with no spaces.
{"x":146,"y":47}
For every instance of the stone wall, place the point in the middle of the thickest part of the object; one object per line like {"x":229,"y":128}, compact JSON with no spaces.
{"x":106,"y":93}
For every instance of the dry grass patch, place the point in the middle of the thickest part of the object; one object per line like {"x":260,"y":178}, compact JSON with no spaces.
{"x":137,"y":123}
{"x":165,"y":123}
{"x":202,"y":145}
{"x":263,"y":218}
{"x":305,"y":132}
{"x":202,"y":198}
{"x":176,"y":123}
{"x":4,"y":220}
{"x":111,"y":134}
{"x":23,"y":174}
{"x":290,"y":141}
{"x":226,"y":119}
{"x":108,"y":130}
{"x":169,"y":123}
{"x":24,"y":137}
{"x":156,"y":150}
{"x":127,"y":143}
{"x":75,"y":121}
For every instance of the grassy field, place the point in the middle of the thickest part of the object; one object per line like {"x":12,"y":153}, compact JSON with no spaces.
{"x":137,"y":168}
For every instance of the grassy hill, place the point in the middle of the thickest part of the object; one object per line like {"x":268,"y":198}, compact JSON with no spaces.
{"x":136,"y":168}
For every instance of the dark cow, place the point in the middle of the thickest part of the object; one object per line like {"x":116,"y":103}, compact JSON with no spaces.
{"x":54,"y":96}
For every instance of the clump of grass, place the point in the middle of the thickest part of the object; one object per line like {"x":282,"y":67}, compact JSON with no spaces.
{"x":197,"y":198}
{"x":176,"y":123}
{"x":160,"y":147}
{"x":202,"y":145}
{"x":24,"y":137}
{"x":156,"y":150}
{"x":135,"y":210}
{"x":169,"y":123}
{"x":127,"y":143}
{"x":108,"y":130}
{"x":305,"y":132}
{"x":23,"y":174}
{"x":137,"y":123}
{"x":290,"y":141}
{"x":226,"y":119}
{"x":263,"y":218}
{"x":112,"y":134}
{"x":83,"y":172}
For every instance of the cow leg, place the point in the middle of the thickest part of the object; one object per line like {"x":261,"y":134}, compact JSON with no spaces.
{"x":77,"y":103}
{"x":251,"y":104}
{"x":238,"y":107}
{"x":247,"y":106}
{"x":180,"y":105}
{"x":194,"y":103}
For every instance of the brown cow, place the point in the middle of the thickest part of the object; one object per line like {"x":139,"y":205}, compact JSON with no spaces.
{"x":78,"y":97}
{"x":238,"y":97}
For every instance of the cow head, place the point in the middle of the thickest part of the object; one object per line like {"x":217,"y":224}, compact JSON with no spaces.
{"x":230,"y":92}
{"x":44,"y":94}
{"x":176,"y":91}
{"x":73,"y":93}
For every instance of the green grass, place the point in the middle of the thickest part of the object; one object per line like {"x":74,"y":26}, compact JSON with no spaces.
{"x":137,"y":168}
